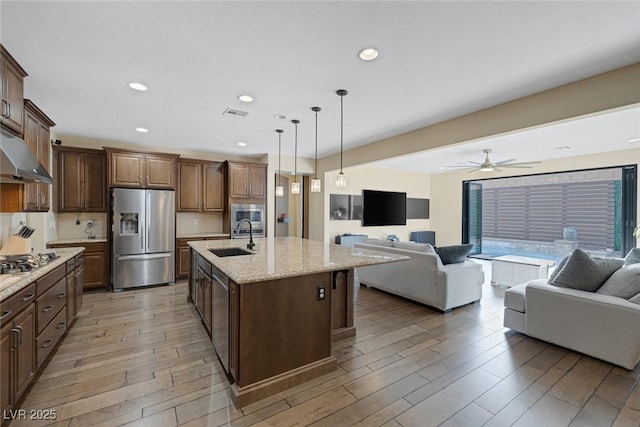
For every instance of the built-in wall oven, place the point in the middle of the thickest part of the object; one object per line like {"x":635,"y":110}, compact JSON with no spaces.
{"x":254,"y":213}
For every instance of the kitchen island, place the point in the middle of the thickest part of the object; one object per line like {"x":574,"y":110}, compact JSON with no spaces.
{"x":274,"y":312}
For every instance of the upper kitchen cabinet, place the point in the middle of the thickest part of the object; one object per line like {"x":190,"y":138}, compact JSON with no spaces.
{"x":247,"y":180}
{"x":81,"y":180}
{"x":36,"y":136}
{"x":200,"y":186}
{"x":133,"y":169}
{"x":12,"y":92}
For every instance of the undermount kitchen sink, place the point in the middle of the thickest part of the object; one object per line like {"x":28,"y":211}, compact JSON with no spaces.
{"x":222,"y":252}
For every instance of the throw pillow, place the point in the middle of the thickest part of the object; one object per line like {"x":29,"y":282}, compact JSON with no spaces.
{"x":633,"y":257}
{"x":557,"y":270}
{"x":585,"y":273}
{"x":635,"y":300}
{"x":623,"y":283}
{"x":379,"y":242}
{"x":419,"y":247}
{"x":453,"y":254}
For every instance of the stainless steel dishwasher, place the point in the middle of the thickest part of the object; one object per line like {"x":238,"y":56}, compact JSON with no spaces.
{"x":220,"y":315}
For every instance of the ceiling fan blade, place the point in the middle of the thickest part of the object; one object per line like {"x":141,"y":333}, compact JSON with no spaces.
{"x":474,"y":163}
{"x":474,"y":170}
{"x":516,"y":166}
{"x":459,"y":167}
{"x":504,"y":161}
{"x":523,"y":164}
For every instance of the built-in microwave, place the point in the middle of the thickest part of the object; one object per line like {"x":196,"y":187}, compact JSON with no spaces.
{"x":252,"y":213}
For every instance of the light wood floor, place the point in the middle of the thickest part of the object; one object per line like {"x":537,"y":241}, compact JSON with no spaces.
{"x":142,"y":358}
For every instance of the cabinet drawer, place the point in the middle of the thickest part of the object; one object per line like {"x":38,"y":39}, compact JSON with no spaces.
{"x":48,"y":339}
{"x":50,"y":303}
{"x":51,"y":278}
{"x":16,"y":303}
{"x":71,"y":265}
{"x":204,"y":265}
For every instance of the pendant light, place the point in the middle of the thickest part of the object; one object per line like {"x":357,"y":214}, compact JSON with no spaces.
{"x":316,"y":184}
{"x":341,"y":179}
{"x":279,"y":188}
{"x":295,"y":185}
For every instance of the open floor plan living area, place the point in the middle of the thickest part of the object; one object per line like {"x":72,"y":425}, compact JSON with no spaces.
{"x":320,"y":213}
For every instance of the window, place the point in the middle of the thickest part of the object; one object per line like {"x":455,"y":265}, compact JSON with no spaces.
{"x":548,"y":215}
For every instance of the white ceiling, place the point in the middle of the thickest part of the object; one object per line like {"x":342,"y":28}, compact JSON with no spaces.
{"x":438,"y":60}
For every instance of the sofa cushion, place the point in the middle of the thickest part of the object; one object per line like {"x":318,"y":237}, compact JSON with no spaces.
{"x":379,"y":242}
{"x":555,"y":273}
{"x":633,"y":257}
{"x":623,"y":283}
{"x":514,"y":298}
{"x":635,"y":300}
{"x":453,"y":254}
{"x":586,"y":273}
{"x":412,"y":246}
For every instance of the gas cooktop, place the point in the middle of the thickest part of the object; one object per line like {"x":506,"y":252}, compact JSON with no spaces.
{"x":15,"y":264}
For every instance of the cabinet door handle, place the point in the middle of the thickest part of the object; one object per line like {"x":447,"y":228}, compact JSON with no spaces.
{"x":62,"y":295}
{"x":19,"y":330}
{"x":9,"y":110}
{"x":4,"y":108}
{"x":61,"y":325}
{"x":47,"y":308}
{"x":47,"y":343}
{"x":16,"y":341}
{"x":27,"y":297}
{"x":5,"y":313}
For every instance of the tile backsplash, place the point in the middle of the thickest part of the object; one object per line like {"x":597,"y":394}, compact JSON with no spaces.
{"x":66,"y":227}
{"x":188,"y":222}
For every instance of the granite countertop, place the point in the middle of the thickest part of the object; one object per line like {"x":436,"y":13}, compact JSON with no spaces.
{"x":202,"y":235}
{"x":78,"y":240}
{"x":12,"y":283}
{"x":281,"y":257}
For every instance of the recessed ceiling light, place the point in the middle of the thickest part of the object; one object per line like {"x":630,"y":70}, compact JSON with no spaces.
{"x":634,"y":140}
{"x":137,"y":86}
{"x":279,"y":116}
{"x":245,"y":98}
{"x":142,"y":130}
{"x":368,"y":54}
{"x":242,"y":144}
{"x":563,"y":147}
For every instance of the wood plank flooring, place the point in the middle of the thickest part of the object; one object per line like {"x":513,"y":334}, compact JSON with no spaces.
{"x":142,"y":358}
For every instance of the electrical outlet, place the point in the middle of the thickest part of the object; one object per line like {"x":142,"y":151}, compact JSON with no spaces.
{"x":322,"y":293}
{"x":90,"y":223}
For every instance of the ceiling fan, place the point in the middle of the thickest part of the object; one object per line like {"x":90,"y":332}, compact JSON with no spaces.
{"x":489,"y":166}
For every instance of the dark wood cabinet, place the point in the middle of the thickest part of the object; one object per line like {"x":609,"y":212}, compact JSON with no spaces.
{"x":247,"y":180}
{"x":36,"y":135}
{"x":204,"y":298}
{"x":75,"y":282}
{"x":12,"y":92}
{"x":95,"y":274}
{"x":133,"y":169}
{"x":17,"y":346}
{"x":81,"y":180}
{"x":200,"y":186}
{"x":183,"y":257}
{"x":212,"y":187}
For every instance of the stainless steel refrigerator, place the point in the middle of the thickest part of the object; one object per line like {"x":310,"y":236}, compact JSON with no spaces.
{"x":143,"y":229}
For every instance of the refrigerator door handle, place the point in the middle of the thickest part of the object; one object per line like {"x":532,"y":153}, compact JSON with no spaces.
{"x":143,"y":256}
{"x":148,"y":218}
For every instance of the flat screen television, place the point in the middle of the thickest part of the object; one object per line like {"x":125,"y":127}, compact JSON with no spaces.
{"x":384,"y":208}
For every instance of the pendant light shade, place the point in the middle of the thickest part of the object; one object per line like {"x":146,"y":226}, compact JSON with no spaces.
{"x":341,"y":179}
{"x":316,"y":184}
{"x":295,"y":185}
{"x":279,"y":188}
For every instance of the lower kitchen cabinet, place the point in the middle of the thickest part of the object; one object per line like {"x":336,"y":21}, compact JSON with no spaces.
{"x":32,"y":324}
{"x":183,"y":259}
{"x":96,"y":263}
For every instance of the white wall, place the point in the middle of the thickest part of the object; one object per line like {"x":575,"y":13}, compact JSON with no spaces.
{"x":360,"y":178}
{"x":446,"y":188}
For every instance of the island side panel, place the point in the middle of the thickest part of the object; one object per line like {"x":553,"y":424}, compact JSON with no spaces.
{"x":282,"y":326}
{"x":342,"y":305}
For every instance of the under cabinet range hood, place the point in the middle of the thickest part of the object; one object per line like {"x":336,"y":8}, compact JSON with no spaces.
{"x":18,"y":164}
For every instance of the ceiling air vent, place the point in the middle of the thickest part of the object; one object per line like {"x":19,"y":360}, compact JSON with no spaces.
{"x":235,"y":113}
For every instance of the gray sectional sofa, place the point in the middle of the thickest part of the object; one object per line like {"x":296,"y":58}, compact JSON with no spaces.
{"x":587,"y":306}
{"x":424,"y":278}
